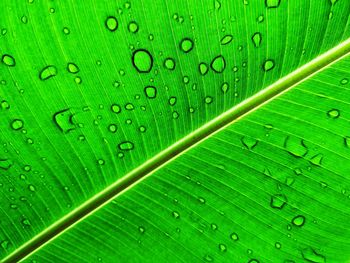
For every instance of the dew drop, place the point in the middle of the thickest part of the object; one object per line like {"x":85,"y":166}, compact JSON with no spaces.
{"x":268,"y":65}
{"x":17,"y":124}
{"x":218,"y":64}
{"x":48,"y":72}
{"x":31,"y":188}
{"x":8,"y":60}
{"x":226,"y":39}
{"x":172,"y":101}
{"x":133,"y":27}
{"x":272,"y":3}
{"x":311,"y":255}
{"x":299,"y":220}
{"x":217,"y":4}
{"x":278,"y":201}
{"x":126,"y":146}
{"x":142,"y":60}
{"x":72,"y":68}
{"x":317,"y":159}
{"x":141,"y":229}
{"x":129,"y":107}
{"x":295,"y":146}
{"x":66,"y":31}
{"x":344,"y":81}
{"x":26,"y":222}
{"x":203,"y":68}
{"x":115,"y":108}
{"x":222,"y":248}
{"x":333,"y":113}
{"x":64,"y":120}
{"x":5,"y":244}
{"x":176,"y":215}
{"x":112,"y":128}
{"x":278,"y":245}
{"x":186,"y":45}
{"x":249,"y":142}
{"x":208,"y":100}
{"x":347,"y":141}
{"x":256,"y":38}
{"x":151,"y":92}
{"x":5,"y":163}
{"x":111,"y":23}
{"x":224,"y":87}
{"x":234,"y":237}
{"x":169,"y":63}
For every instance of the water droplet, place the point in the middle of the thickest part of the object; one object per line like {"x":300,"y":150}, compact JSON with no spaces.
{"x":176,"y":215}
{"x":234,"y":237}
{"x":299,"y":220}
{"x":116,"y":108}
{"x":269,"y":64}
{"x":72,"y":68}
{"x":175,"y":115}
{"x":295,"y":146}
{"x":126,"y":146}
{"x":48,"y":72}
{"x":208,"y":258}
{"x":278,"y":245}
{"x":26,"y":222}
{"x":141,"y":229}
{"x":5,"y":163}
{"x":133,"y":27}
{"x":222,"y":248}
{"x":169,"y":63}
{"x":142,"y":129}
{"x":203,"y":68}
{"x":311,"y":255}
{"x":347,"y":141}
{"x":17,"y":124}
{"x":218,"y":64}
{"x":186,"y":45}
{"x":333,"y":113}
{"x":172,"y":101}
{"x":344,"y":81}
{"x":278,"y":201}
{"x":8,"y":60}
{"x":272,"y":3}
{"x":31,"y":188}
{"x":66,"y":31}
{"x":224,"y":87}
{"x":24,"y":19}
{"x":226,"y":39}
{"x":112,"y":128}
{"x":111,"y":23}
{"x":142,"y":60}
{"x":5,"y":244}
{"x":253,"y":260}
{"x":317,"y":159}
{"x":201,"y":200}
{"x":257,"y":39}
{"x":217,"y":4}
{"x":100,"y":162}
{"x":260,"y":18}
{"x":151,"y":92}
{"x":64,"y":120}
{"x":249,"y":142}
{"x":208,"y":100}
{"x":129,"y":107}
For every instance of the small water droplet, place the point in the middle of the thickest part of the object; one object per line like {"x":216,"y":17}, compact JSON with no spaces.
{"x":26,"y":222}
{"x":169,"y":63}
{"x":217,"y":4}
{"x":347,"y":141}
{"x":5,"y":163}
{"x":141,"y":229}
{"x":226,"y":39}
{"x":278,"y":201}
{"x":4,"y":105}
{"x":17,"y":124}
{"x":344,"y":81}
{"x":111,"y":23}
{"x":299,"y":220}
{"x":295,"y":146}
{"x":278,"y":245}
{"x":150,"y":92}
{"x":256,"y":38}
{"x":8,"y":60}
{"x":234,"y":237}
{"x":116,"y":108}
{"x":249,"y":142}
{"x":66,"y":31}
{"x":203,"y":68}
{"x":133,"y":27}
{"x":224,"y":87}
{"x":186,"y":45}
{"x":218,"y":64}
{"x":142,"y":60}
{"x":112,"y":128}
{"x":31,"y":188}
{"x":48,"y":72}
{"x":176,"y":215}
{"x":310,"y":255}
{"x":222,"y":248}
{"x":317,"y":159}
{"x":333,"y":113}
{"x":129,"y":106}
{"x":208,"y":258}
{"x":269,"y":64}
{"x":272,"y":3}
{"x":72,"y":68}
{"x":5,"y":244}
{"x":208,"y":100}
{"x":126,"y":146}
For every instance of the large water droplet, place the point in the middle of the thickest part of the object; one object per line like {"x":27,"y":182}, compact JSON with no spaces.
{"x":142,"y":60}
{"x":72,"y":68}
{"x":111,"y":23}
{"x":8,"y":60}
{"x":17,"y":124}
{"x":295,"y":146}
{"x":186,"y":45}
{"x":299,"y":220}
{"x":48,"y":72}
{"x":64,"y":120}
{"x":218,"y":64}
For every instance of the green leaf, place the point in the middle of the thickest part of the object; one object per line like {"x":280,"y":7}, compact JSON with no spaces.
{"x":203,"y":130}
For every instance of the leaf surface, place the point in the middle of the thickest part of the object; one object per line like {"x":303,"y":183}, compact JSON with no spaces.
{"x":92,"y":92}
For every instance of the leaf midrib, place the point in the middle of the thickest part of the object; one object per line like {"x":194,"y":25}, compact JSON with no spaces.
{"x":149,"y":167}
